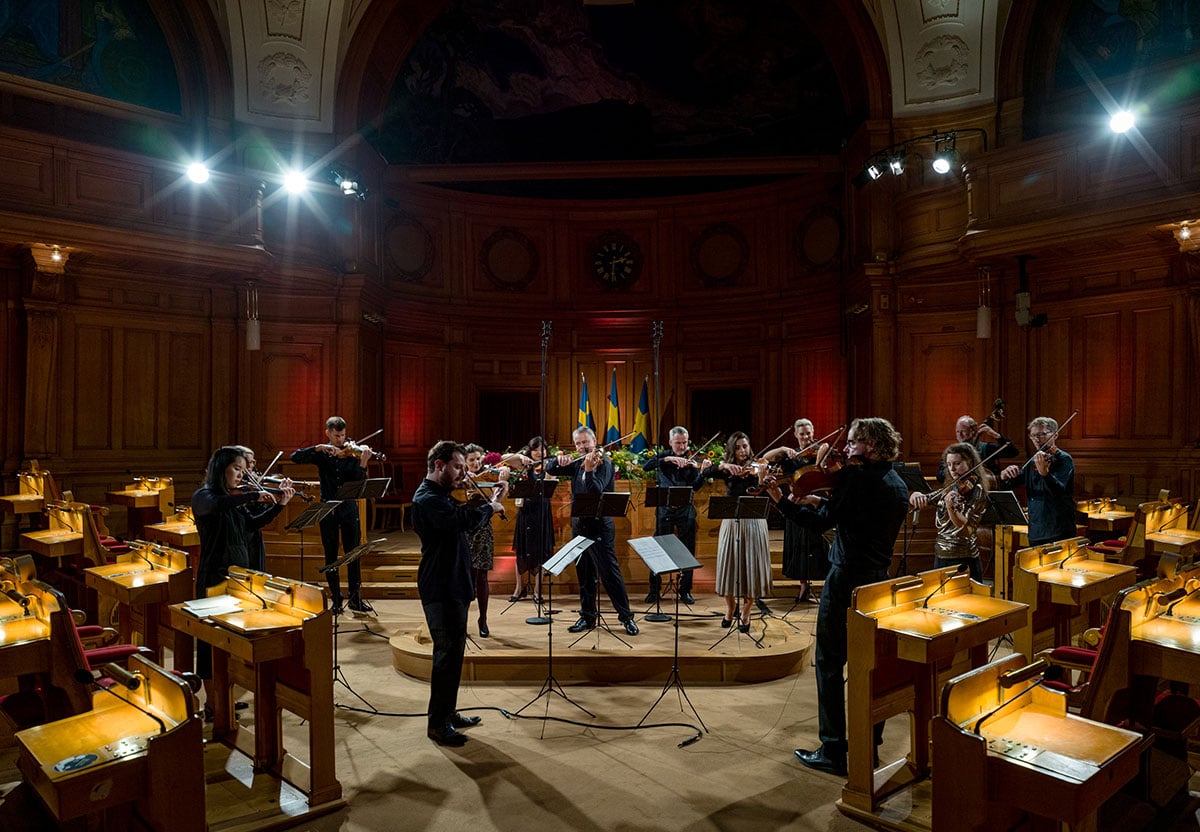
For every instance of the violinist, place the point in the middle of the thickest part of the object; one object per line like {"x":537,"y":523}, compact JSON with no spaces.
{"x":1049,"y":480}
{"x":254,"y":511}
{"x":986,"y":440}
{"x":959,"y":510}
{"x":445,"y":583}
{"x":743,"y":557}
{"x":225,"y":529}
{"x":672,"y":469}
{"x":336,"y":468}
{"x":805,"y":553}
{"x":867,"y":504}
{"x":592,"y":472}
{"x":533,"y":535}
{"x":480,"y":539}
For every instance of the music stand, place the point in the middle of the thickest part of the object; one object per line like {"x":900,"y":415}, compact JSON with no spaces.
{"x":666,"y":554}
{"x":535,"y":489}
{"x":556,"y":563}
{"x":349,"y":557}
{"x":737,"y":508}
{"x":1003,"y":510}
{"x":314,"y":513}
{"x":597,"y":507}
{"x":364,"y":489}
{"x":671,"y":497}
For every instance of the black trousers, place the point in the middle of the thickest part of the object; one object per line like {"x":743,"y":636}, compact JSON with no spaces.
{"x":343,"y":525}
{"x":600,"y":557}
{"x":682,"y":524}
{"x":447,"y":621}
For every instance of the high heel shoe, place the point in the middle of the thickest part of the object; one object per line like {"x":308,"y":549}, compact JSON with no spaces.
{"x":517,"y":596}
{"x":726,"y":623}
{"x":484,"y":632}
{"x":744,"y":627}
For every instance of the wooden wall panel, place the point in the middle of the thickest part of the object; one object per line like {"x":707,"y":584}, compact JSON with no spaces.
{"x":1053,"y":374}
{"x":293,"y":408}
{"x":141,"y":396}
{"x":1102,"y":366}
{"x":28,"y":172}
{"x":186,"y":394}
{"x":1153,"y":401}
{"x":815,"y":384}
{"x":90,"y":371}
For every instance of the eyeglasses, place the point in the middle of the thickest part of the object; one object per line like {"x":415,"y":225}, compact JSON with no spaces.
{"x":1040,"y":435}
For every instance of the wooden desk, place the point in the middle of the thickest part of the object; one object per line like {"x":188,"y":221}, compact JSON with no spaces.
{"x":1060,"y":581}
{"x":1164,"y":637}
{"x":280,"y":648}
{"x":1004,"y":746}
{"x":39,"y":646}
{"x":142,"y":583}
{"x":64,"y":537}
{"x":33,"y":489}
{"x":179,"y":532}
{"x":117,"y":755}
{"x":904,"y":635}
{"x":1008,"y":540}
{"x":148,"y":499}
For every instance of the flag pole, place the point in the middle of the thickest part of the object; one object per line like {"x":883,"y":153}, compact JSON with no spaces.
{"x":657,"y":339}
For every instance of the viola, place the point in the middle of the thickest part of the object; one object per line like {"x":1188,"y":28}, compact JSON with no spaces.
{"x":355,"y":449}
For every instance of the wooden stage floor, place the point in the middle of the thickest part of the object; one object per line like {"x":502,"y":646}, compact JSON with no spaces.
{"x":777,"y":645}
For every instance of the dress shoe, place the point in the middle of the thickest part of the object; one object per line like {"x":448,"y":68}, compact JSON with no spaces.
{"x":817,"y":761}
{"x":446,"y":735}
{"x":726,"y":623}
{"x":584,"y":623}
{"x":651,"y":597}
{"x":484,"y":632}
{"x":458,"y":721}
{"x":686,"y":597}
{"x":360,"y":608}
{"x":631,"y":627}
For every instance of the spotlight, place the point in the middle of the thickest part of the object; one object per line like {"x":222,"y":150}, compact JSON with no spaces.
{"x":896,"y":164}
{"x":349,"y":187}
{"x":1185,"y":232}
{"x":295,"y":182}
{"x":56,"y":254}
{"x":197,"y":172}
{"x":874,"y":170}
{"x":1121,"y":121}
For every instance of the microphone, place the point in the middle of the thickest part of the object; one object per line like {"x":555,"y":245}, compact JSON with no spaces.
{"x":138,"y":552}
{"x":1181,"y":599}
{"x":18,"y":598}
{"x":246,"y":587}
{"x":916,"y":514}
{"x":962,"y":567}
{"x":121,"y":675}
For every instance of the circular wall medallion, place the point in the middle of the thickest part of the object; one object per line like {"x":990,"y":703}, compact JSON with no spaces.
{"x":408,"y":248}
{"x":720,"y":254}
{"x":818,"y":240}
{"x":509,"y":259}
{"x":616,"y":259}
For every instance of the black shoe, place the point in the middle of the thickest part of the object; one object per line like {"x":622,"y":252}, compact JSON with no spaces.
{"x":744,"y":628}
{"x":803,"y":596}
{"x":517,"y":596}
{"x":336,"y":607}
{"x":762,"y":606}
{"x":584,"y":623}
{"x":459,"y":721}
{"x":726,"y":623}
{"x":360,"y":608}
{"x":631,"y":627}
{"x":686,"y":597}
{"x":484,"y":632}
{"x":817,"y":761}
{"x":651,"y":597}
{"x":447,"y":736}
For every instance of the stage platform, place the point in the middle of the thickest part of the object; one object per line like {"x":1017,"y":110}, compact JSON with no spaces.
{"x":774,"y":648}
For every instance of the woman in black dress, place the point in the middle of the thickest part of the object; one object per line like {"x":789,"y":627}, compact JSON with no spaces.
{"x":533,"y":537}
{"x":805,"y":552}
{"x":481,"y":540}
{"x":226,"y":530}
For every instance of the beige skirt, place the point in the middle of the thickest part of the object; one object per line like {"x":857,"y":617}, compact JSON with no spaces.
{"x":743,"y":560}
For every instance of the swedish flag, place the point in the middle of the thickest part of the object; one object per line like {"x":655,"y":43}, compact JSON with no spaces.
{"x":613,"y":432}
{"x":584,"y":419}
{"x":641,"y":422}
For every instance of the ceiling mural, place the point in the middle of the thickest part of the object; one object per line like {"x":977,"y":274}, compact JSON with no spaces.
{"x":549,"y":80}
{"x":109,"y":48}
{"x":1106,"y":38}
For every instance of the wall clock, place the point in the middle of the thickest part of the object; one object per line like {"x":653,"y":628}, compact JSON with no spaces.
{"x":616,"y":259}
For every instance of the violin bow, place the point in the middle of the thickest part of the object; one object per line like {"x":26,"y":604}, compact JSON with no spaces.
{"x":699,"y":450}
{"x":1051,"y":439}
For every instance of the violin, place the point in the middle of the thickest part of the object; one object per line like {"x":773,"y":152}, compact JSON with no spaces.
{"x":355,"y":449}
{"x":262,"y":489}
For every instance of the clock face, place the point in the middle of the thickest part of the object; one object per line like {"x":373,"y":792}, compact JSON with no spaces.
{"x":616,"y":259}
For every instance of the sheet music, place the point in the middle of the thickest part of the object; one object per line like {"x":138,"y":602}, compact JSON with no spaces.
{"x":213,"y":605}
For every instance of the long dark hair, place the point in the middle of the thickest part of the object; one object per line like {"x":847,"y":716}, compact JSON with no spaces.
{"x":222,"y":458}
{"x":731,"y":445}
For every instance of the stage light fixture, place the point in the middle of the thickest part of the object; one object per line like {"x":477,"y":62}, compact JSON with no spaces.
{"x":874,"y":170}
{"x":198,"y":172}
{"x":295,"y":182}
{"x":1121,"y":121}
{"x":894,"y":158}
{"x":896,"y":164}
